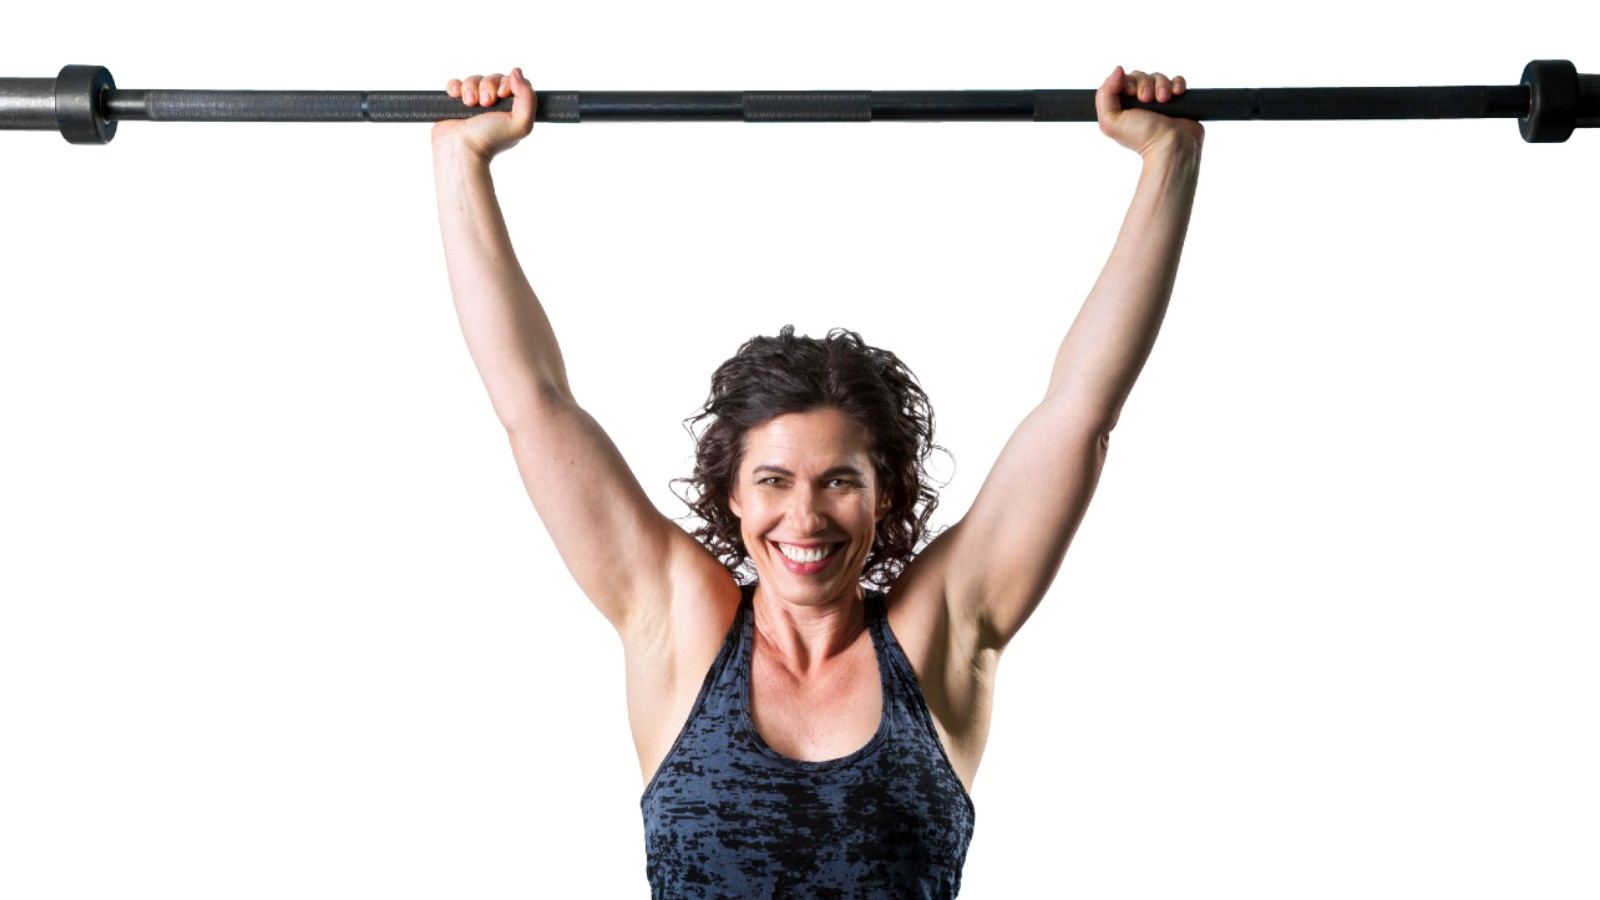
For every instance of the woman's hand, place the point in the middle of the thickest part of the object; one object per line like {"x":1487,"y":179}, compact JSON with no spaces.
{"x":1141,"y":130}
{"x":487,"y":134}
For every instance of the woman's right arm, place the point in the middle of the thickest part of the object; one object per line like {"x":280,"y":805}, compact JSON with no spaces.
{"x":623,"y":552}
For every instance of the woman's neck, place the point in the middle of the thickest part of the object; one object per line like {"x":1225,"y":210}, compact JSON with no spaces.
{"x":809,"y":636}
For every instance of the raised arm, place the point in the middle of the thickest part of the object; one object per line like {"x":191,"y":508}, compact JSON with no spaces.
{"x":622,"y":551}
{"x":507,"y":332}
{"x":1108,"y":343}
{"x":994,"y":566}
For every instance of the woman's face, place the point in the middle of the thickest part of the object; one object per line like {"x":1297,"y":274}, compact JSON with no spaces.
{"x":808,"y":504}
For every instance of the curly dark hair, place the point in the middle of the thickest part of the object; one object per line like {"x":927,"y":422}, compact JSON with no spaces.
{"x":773,"y":376}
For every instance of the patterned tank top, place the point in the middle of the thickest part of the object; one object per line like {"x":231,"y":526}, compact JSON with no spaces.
{"x":726,"y":816}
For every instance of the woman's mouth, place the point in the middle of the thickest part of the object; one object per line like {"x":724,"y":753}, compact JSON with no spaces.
{"x":807,"y":559}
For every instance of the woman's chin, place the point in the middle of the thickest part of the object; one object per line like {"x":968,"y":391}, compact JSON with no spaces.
{"x":811,"y":584}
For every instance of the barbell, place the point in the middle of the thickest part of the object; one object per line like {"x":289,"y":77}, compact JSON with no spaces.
{"x":85,"y":105}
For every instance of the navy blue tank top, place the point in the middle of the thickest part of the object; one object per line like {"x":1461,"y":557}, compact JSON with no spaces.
{"x":726,"y":816}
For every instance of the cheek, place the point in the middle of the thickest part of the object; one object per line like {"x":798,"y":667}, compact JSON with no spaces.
{"x":871,"y":514}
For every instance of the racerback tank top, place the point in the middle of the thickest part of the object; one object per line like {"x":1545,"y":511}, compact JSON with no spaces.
{"x":726,"y":816}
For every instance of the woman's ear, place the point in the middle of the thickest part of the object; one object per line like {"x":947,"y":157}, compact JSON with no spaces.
{"x":884,"y":502}
{"x":733,"y":502}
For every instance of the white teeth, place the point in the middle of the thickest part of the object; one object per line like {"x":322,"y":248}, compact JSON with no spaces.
{"x":807,"y":554}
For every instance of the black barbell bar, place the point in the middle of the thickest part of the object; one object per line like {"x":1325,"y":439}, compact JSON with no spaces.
{"x":85,"y":105}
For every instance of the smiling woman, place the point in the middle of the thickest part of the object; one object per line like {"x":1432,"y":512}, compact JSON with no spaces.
{"x":772,"y":376}
{"x":809,"y":687}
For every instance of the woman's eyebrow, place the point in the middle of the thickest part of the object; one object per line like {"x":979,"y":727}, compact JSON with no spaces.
{"x":779,"y":470}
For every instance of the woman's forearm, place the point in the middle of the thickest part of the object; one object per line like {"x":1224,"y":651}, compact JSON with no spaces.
{"x":1115,"y":330}
{"x":506,"y":329}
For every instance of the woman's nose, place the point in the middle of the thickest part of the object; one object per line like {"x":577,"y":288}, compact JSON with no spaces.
{"x":805,"y":515}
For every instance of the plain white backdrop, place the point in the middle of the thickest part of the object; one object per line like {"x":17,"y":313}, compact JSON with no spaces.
{"x":276,"y":618}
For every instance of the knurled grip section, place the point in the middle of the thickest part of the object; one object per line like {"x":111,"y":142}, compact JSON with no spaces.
{"x":557,"y":106}
{"x":1064,"y":106}
{"x":423,"y":106}
{"x":307,"y":106}
{"x":808,"y":106}
{"x":254,"y":106}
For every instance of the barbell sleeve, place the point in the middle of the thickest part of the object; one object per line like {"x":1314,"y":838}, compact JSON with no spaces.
{"x":84,"y":104}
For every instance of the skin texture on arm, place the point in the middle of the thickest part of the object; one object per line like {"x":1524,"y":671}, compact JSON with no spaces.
{"x":507,"y":331}
{"x":994,"y":566}
{"x":1107,"y":345}
{"x":618,"y":547}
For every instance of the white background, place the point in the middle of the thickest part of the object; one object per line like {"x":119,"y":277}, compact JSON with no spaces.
{"x":276,"y":618}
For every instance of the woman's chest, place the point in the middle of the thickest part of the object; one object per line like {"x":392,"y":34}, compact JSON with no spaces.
{"x":821,"y":715}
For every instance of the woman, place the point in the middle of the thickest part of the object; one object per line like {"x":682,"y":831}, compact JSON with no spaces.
{"x":801,"y":735}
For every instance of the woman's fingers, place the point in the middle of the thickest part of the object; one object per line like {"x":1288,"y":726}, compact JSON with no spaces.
{"x":480,"y":90}
{"x":488,"y":135}
{"x":1134,"y":86}
{"x":1153,"y":86}
{"x":1141,"y":129}
{"x":489,"y":89}
{"x":1142,"y":85}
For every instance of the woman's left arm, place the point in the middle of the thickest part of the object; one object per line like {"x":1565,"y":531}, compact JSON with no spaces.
{"x":994,"y":566}
{"x":1111,"y":338}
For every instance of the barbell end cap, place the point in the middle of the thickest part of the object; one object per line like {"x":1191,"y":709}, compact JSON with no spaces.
{"x":1552,"y":101}
{"x":79,"y":115}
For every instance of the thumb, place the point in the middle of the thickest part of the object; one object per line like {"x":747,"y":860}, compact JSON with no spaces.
{"x":1108,"y":99}
{"x":524,"y":101}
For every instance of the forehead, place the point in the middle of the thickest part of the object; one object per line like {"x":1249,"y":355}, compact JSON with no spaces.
{"x":824,"y":437}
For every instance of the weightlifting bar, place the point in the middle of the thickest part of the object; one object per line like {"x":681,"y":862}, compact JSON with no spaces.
{"x":85,"y":105}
